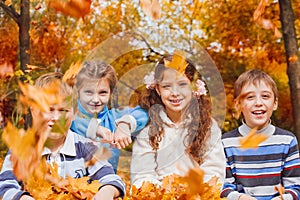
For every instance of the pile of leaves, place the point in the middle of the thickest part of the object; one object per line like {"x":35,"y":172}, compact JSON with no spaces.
{"x":45,"y":183}
{"x":189,"y":187}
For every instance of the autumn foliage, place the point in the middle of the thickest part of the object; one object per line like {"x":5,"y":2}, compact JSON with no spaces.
{"x":189,"y":187}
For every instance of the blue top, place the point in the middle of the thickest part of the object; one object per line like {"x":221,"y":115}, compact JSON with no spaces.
{"x":108,"y":118}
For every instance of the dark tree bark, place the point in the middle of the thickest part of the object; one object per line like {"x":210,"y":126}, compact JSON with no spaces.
{"x":292,"y":58}
{"x":23,"y":21}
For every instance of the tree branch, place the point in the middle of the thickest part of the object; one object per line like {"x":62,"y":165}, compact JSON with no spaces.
{"x":10,"y":11}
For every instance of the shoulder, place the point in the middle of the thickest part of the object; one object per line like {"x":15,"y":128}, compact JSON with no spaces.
{"x":280,"y":131}
{"x":231,"y":134}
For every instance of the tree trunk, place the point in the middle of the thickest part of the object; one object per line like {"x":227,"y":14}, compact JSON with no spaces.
{"x":24,"y":39}
{"x":293,"y":65}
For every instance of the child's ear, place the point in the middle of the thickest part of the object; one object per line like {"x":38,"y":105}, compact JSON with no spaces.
{"x":237,"y":108}
{"x":275,"y":104}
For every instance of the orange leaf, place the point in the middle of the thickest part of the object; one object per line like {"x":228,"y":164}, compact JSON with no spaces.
{"x":280,"y":190}
{"x":73,"y":8}
{"x":72,"y":72}
{"x":259,"y":10}
{"x":178,"y":62}
{"x":293,"y":58}
{"x":253,"y":139}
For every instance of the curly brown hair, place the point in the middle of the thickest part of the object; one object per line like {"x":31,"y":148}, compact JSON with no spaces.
{"x":199,"y":109}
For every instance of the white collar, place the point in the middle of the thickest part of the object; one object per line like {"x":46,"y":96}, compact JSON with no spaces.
{"x":68,"y":147}
{"x":244,"y":129}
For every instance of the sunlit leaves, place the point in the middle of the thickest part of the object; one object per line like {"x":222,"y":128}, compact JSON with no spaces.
{"x":73,"y":8}
{"x":191,"y":186}
{"x":253,"y":139}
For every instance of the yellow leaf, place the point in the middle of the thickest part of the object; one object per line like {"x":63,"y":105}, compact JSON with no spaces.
{"x":178,"y":62}
{"x":253,"y":139}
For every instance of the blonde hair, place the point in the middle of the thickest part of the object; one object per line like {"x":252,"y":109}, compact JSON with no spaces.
{"x":48,"y":79}
{"x":96,"y":70}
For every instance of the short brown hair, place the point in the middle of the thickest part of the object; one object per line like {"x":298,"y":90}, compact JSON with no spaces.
{"x":254,"y":76}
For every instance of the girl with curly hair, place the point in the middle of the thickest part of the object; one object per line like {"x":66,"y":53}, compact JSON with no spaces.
{"x":181,"y":133}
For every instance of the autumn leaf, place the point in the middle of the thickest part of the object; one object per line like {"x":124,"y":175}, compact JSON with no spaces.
{"x":253,"y":139}
{"x":40,"y":98}
{"x":178,"y":62}
{"x":151,"y":8}
{"x":259,"y":10}
{"x":73,"y":8}
{"x":293,"y":58}
{"x":280,"y":190}
{"x":72,"y":72}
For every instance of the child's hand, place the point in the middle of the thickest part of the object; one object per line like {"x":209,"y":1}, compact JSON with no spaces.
{"x":107,"y":192}
{"x":105,"y":134}
{"x":122,"y":136}
{"x":246,"y":197}
{"x":26,"y":197}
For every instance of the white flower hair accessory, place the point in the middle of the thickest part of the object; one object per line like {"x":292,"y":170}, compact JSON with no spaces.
{"x":149,"y":80}
{"x":200,"y":88}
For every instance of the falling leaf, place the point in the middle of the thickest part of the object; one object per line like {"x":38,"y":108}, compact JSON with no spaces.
{"x":72,"y":72}
{"x":259,"y":10}
{"x":253,"y":139}
{"x":40,"y":98}
{"x":151,"y":8}
{"x":280,"y":190}
{"x":30,"y":68}
{"x":8,"y":2}
{"x":178,"y":62}
{"x":293,"y":58}
{"x":73,"y":8}
{"x":267,"y":24}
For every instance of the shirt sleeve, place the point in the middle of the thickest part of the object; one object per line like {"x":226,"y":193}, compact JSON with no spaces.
{"x":107,"y":176}
{"x":214,"y":160}
{"x":143,"y":163}
{"x":291,"y":171}
{"x":136,"y":117}
{"x":10,"y":188}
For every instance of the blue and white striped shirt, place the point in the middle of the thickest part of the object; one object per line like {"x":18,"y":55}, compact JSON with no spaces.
{"x":71,"y":160}
{"x":257,"y":172}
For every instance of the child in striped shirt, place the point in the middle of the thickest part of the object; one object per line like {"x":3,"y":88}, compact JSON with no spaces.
{"x":68,"y":150}
{"x":254,"y":173}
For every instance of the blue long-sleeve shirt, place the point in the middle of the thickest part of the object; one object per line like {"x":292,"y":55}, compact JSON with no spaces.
{"x":256,"y":172}
{"x":137,"y":117}
{"x":71,"y":160}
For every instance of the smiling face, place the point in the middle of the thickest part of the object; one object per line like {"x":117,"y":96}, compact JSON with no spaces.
{"x":175,"y":92}
{"x":257,"y":103}
{"x":94,"y":95}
